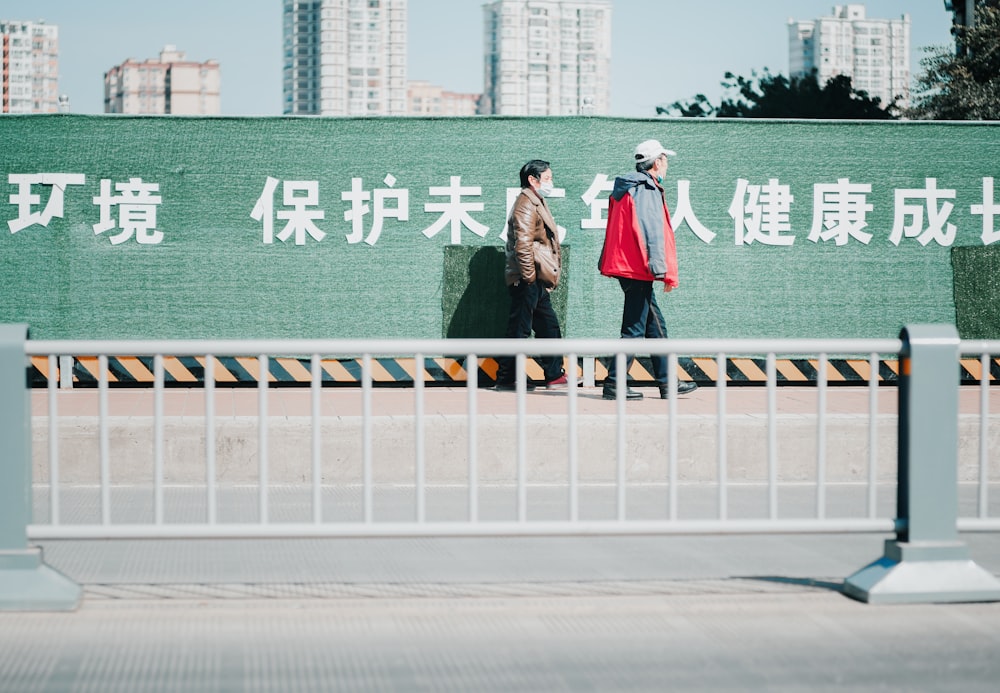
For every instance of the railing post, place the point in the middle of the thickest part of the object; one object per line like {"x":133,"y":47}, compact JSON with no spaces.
{"x":927,"y":562}
{"x":26,"y":583}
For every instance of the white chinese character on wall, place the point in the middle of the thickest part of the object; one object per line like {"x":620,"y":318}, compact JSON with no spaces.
{"x":840,"y":212}
{"x":684,"y":214}
{"x":301,"y":196}
{"x":358,"y":196}
{"x":26,"y":200}
{"x":988,"y":211}
{"x":598,"y":202}
{"x":937,"y":228}
{"x":455,"y":212}
{"x":136,"y":205}
{"x":761,"y":213}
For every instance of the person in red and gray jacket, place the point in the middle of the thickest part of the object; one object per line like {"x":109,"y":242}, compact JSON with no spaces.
{"x":639,"y":250}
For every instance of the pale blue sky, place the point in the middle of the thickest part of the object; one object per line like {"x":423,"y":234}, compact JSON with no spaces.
{"x":662,"y":50}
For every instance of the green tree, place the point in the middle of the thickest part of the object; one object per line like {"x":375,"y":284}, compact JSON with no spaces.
{"x":963,"y":85}
{"x":776,"y":96}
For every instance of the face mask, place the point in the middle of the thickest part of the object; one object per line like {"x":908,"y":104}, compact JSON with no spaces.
{"x":659,"y":179}
{"x":546,"y":188}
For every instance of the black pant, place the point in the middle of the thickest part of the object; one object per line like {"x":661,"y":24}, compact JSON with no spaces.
{"x":530,"y":310}
{"x":641,"y":317}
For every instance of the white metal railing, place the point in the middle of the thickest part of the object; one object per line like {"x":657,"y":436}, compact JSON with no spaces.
{"x":474,"y":524}
{"x":984,"y":350}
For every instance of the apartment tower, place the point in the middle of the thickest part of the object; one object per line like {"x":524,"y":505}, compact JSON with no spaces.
{"x":171,"y":85}
{"x":874,"y":53}
{"x":30,"y":81}
{"x":547,"y":57}
{"x":345,"y":57}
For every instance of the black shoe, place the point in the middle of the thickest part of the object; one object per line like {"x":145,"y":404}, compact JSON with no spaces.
{"x":611,"y":393}
{"x":684,"y":387}
{"x":512,"y":387}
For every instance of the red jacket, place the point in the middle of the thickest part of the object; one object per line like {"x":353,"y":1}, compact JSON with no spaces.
{"x":625,"y":253}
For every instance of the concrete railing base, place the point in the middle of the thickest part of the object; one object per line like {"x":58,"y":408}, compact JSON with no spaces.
{"x":27,"y":584}
{"x":921,"y":572}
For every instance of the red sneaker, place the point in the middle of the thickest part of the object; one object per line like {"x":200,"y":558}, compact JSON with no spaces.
{"x":560,"y":383}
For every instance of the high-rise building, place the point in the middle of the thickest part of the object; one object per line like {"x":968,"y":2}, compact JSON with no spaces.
{"x":426,"y":99}
{"x":547,"y":57}
{"x":30,"y":67}
{"x":874,"y":53}
{"x":345,"y":57}
{"x":170,"y":85}
{"x":963,"y":16}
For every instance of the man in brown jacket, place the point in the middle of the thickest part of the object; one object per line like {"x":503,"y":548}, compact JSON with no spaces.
{"x":534,"y":262}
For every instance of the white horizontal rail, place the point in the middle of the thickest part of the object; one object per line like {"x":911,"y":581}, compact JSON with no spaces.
{"x":461,"y":529}
{"x":976,"y":524}
{"x":461,"y":347}
{"x":979,"y":346}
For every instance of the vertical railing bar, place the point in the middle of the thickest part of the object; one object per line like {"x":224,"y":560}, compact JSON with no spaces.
{"x":522,"y":439}
{"x":418,"y":423}
{"x":621,"y":390}
{"x":209,"y":384}
{"x":366,"y":436}
{"x":772,"y":436}
{"x":472,"y":385}
{"x":821,"y":378}
{"x":873,"y":377}
{"x":65,"y":372}
{"x":984,"y":449}
{"x":158,"y":438}
{"x":720,"y":384}
{"x":103,"y":438}
{"x":316,"y":395}
{"x":574,"y":460}
{"x":53,"y":440}
{"x":263,"y":372}
{"x":672,"y":433}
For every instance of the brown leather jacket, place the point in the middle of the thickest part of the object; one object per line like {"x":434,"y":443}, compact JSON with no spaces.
{"x":533,"y":251}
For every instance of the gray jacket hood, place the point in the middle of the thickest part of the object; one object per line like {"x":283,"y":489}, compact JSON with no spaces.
{"x":625,"y":183}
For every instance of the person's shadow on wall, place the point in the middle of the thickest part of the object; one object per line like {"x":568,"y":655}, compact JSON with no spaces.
{"x":474,"y":298}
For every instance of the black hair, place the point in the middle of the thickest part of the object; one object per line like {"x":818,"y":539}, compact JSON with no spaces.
{"x":641,"y":166}
{"x":535,"y":167}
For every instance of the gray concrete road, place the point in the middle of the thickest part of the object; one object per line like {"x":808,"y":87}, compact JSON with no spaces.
{"x":784,"y":638}
{"x":586,"y":614}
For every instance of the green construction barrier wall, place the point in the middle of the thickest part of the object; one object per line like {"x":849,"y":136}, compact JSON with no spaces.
{"x":204,"y":269}
{"x":977,"y":291}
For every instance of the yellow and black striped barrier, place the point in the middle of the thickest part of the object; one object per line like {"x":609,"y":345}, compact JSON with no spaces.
{"x":137,"y":371}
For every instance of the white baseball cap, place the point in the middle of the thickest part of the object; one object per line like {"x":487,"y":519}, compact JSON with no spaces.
{"x":649,"y":150}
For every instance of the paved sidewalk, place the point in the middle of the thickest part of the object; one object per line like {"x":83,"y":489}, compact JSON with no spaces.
{"x":746,"y":400}
{"x":445,"y":401}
